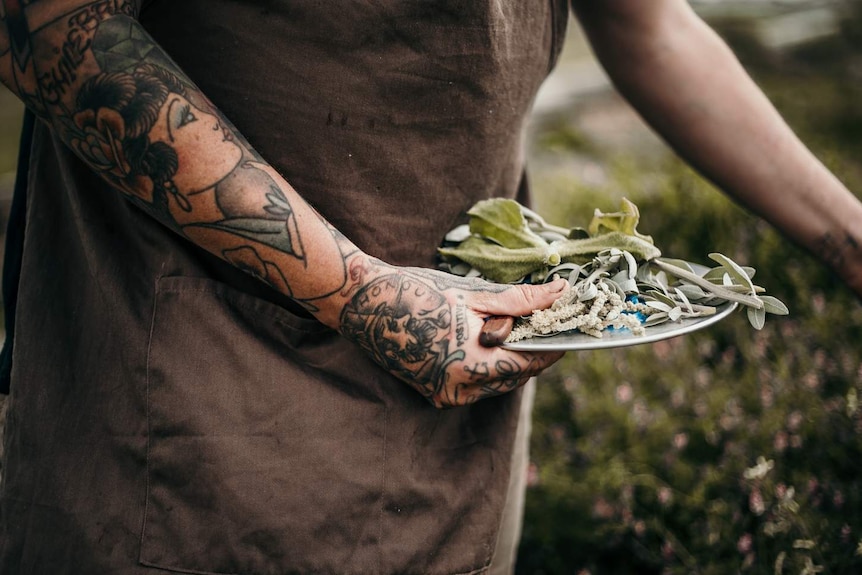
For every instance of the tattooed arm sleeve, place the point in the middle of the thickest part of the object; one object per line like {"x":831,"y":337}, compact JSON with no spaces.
{"x":138,"y":121}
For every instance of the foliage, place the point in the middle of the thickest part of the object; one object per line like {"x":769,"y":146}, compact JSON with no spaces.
{"x":642,"y":452}
{"x":728,"y":450}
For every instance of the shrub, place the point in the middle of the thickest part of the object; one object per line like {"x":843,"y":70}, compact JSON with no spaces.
{"x":724,"y":451}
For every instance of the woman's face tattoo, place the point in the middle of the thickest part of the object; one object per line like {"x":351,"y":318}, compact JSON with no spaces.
{"x":195,"y":135}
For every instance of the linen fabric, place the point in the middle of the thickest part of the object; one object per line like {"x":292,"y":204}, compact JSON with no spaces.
{"x":170,"y":413}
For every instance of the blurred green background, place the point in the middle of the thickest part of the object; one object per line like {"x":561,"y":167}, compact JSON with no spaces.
{"x":728,"y":450}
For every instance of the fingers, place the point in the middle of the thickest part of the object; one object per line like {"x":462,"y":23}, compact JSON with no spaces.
{"x":507,"y":370}
{"x":495,"y":372}
{"x":520,"y":367}
{"x":521,"y":299}
{"x":518,"y":301}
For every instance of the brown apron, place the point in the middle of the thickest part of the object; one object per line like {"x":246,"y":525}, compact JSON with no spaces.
{"x":168,"y":411}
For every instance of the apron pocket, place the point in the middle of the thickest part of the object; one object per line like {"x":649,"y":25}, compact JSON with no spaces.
{"x":259,"y":459}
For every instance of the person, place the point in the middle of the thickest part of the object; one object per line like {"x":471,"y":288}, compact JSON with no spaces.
{"x":231,"y":348}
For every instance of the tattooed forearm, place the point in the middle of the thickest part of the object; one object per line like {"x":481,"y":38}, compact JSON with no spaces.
{"x":57,"y":80}
{"x":358,"y":271}
{"x":44,"y":82}
{"x":128,"y":111}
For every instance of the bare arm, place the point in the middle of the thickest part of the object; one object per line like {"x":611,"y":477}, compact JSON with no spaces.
{"x":141,"y":123}
{"x":689,"y":86}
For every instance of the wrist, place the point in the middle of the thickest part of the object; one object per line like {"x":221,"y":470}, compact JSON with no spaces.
{"x":843,"y":253}
{"x":852,"y":275}
{"x":359,"y":269}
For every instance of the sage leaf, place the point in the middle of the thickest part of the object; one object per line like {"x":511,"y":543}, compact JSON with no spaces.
{"x":538,"y":224}
{"x":774,"y":305}
{"x":736,"y":272}
{"x":692,"y":292}
{"x":662,"y":297}
{"x":583,"y":250}
{"x":683,"y":299}
{"x":720,"y":291}
{"x":715,"y":274}
{"x":619,"y":289}
{"x":587,"y":291}
{"x":632,"y":263}
{"x":660,"y":305}
{"x":756,"y":317}
{"x":569,"y":271}
{"x":501,"y":220}
{"x":625,"y":221}
{"x":458,"y":234}
{"x":625,"y":281}
{"x":656,"y":319}
{"x":497,"y":263}
{"x":679,"y":263}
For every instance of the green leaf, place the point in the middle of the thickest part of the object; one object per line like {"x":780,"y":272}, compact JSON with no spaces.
{"x":662,"y":297}
{"x":624,"y":221}
{"x":587,"y":291}
{"x":683,"y":299}
{"x":506,"y":265}
{"x":660,"y":305}
{"x":715,"y":289}
{"x":756,"y":317}
{"x":774,"y":305}
{"x":735,"y":271}
{"x":501,"y":220}
{"x":581,"y":251}
{"x":679,"y":263}
{"x":496,"y":263}
{"x":692,"y":292}
{"x":656,"y":319}
{"x":625,"y":282}
{"x":716,"y":274}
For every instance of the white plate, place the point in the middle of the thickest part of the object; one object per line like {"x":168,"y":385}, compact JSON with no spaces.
{"x":577,"y":341}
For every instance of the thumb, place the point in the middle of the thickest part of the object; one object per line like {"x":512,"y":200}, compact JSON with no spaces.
{"x":523,"y":299}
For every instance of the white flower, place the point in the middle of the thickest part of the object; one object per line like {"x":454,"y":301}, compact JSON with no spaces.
{"x":760,"y":470}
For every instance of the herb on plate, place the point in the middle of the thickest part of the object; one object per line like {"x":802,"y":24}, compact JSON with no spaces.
{"x":617,"y":277}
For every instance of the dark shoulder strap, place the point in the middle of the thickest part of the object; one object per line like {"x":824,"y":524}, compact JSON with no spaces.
{"x":14,"y":249}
